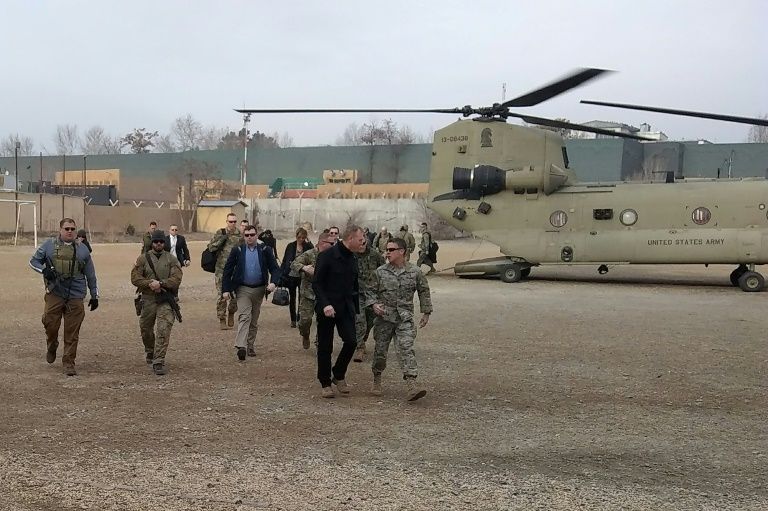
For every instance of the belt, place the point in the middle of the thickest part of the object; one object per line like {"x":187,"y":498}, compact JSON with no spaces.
{"x":252,"y":285}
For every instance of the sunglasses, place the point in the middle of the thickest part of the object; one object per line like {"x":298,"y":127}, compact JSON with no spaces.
{"x":393,"y":249}
{"x":231,"y":221}
{"x":70,"y":229}
{"x":249,"y":234}
{"x":174,"y":230}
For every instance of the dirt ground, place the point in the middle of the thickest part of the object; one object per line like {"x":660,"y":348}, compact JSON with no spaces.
{"x":641,"y":389}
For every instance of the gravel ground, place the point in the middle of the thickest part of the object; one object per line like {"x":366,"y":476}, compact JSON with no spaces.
{"x":641,"y":389}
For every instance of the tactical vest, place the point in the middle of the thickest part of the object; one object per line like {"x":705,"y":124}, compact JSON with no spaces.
{"x":65,"y":260}
{"x":162,"y":266}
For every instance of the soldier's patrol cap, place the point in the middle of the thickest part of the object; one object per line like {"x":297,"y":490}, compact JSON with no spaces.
{"x":158,"y":235}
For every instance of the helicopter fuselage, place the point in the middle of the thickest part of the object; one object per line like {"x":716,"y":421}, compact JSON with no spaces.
{"x":511,"y":185}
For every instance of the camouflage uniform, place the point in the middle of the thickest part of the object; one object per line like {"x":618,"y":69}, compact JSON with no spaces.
{"x":223,"y":243}
{"x":306,"y":294}
{"x":367,"y":262}
{"x":394,"y":289}
{"x":146,"y":242}
{"x":410,"y":243}
{"x":380,"y":242}
{"x":424,"y":257}
{"x":168,"y":271}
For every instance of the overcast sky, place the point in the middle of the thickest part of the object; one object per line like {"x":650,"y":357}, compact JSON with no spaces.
{"x":125,"y":65}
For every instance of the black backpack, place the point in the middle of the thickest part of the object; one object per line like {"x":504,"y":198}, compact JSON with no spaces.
{"x":208,"y":259}
{"x":433,"y":248}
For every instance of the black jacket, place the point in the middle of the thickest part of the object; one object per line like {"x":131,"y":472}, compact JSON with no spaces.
{"x":335,"y":281}
{"x":182,"y":252}
{"x":288,"y":257}
{"x":234,"y":268}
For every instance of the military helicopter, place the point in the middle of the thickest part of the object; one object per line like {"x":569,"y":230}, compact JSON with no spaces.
{"x":512,"y":185}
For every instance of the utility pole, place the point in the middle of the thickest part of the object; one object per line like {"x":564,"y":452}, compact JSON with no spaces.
{"x":244,"y":171}
{"x":84,"y":175}
{"x":503,"y":92}
{"x":16,"y":182}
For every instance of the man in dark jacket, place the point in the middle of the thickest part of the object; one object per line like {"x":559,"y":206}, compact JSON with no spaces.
{"x":336,"y":304}
{"x":250,"y":272}
{"x":176,"y":244}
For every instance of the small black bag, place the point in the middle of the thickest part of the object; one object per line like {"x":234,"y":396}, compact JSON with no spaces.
{"x":281,"y":297}
{"x":208,"y":260}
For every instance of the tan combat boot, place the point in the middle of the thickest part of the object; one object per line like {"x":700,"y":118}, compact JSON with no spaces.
{"x":223,"y":324}
{"x":415,"y":391}
{"x":341,"y":386}
{"x":305,"y":342}
{"x":376,"y":388}
{"x":359,"y":354}
{"x":327,"y":392}
{"x":231,"y":319}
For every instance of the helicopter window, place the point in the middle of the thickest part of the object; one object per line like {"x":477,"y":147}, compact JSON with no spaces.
{"x":565,"y":157}
{"x":532,"y":191}
{"x":602,"y":214}
{"x":628,"y":217}
{"x":558,"y":218}
{"x":701,"y":215}
{"x":518,"y":191}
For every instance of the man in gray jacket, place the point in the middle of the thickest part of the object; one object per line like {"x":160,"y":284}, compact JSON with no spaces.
{"x":68,"y":271}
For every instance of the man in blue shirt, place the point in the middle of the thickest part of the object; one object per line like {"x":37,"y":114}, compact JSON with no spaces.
{"x":250,"y":272}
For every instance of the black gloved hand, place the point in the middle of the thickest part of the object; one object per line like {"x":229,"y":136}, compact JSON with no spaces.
{"x":93,"y":303}
{"x":49,"y":274}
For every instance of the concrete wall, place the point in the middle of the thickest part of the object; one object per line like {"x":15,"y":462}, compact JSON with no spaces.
{"x":50,"y":210}
{"x":113,"y":221}
{"x":210,"y":219}
{"x":284,"y":215}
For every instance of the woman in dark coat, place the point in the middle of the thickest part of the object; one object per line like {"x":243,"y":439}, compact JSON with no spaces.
{"x":269,"y":240}
{"x":292,"y":250}
{"x":82,"y":237}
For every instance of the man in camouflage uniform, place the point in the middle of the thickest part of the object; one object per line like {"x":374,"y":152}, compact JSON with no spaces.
{"x":156,"y":311}
{"x":392,"y":300}
{"x":367,"y":262}
{"x":425,"y":256}
{"x":146,"y":240}
{"x":410,"y":241}
{"x":222,"y":244}
{"x":68,"y":271}
{"x":381,"y":239}
{"x":304,"y":266}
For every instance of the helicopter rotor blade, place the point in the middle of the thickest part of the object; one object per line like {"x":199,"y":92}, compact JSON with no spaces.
{"x":347,"y":110}
{"x":555,"y":88}
{"x":688,"y":113}
{"x":542,"y":121}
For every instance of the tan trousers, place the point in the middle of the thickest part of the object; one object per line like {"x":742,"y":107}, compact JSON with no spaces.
{"x":249,"y":301}
{"x":73,"y":313}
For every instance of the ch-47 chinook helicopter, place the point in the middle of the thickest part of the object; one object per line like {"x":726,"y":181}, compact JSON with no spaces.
{"x":512,"y":185}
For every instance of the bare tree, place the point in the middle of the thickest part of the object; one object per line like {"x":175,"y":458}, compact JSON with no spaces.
{"x":199,"y":180}
{"x":66,"y":138}
{"x":371,"y":133}
{"x":758,"y":134}
{"x":351,"y":136}
{"x":386,"y":132}
{"x":210,"y":138}
{"x":8,"y":145}
{"x":165,"y":144}
{"x":139,"y":140}
{"x":283,"y":139}
{"x":95,"y":141}
{"x":187,"y":133}
{"x":113,"y":145}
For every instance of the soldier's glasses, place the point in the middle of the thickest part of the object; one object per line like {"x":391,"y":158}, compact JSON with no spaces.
{"x":249,"y":234}
{"x":70,"y":229}
{"x":393,"y":249}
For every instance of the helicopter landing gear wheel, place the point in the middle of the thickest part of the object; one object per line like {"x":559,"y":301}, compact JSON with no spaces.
{"x":737,"y":273}
{"x":511,"y":273}
{"x":525,"y":272}
{"x":751,"y":282}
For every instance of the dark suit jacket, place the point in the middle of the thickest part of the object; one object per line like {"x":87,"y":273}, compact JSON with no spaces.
{"x":335,"y":281}
{"x":234,"y":269}
{"x":288,"y":257}
{"x":182,"y":252}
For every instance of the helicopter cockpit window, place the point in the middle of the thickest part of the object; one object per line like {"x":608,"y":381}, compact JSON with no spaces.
{"x":565,"y":157}
{"x":558,"y":219}
{"x":701,"y":215}
{"x":628,"y":217}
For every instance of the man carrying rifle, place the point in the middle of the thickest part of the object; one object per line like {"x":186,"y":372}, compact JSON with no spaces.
{"x":157,"y":274}
{"x":67,"y":269}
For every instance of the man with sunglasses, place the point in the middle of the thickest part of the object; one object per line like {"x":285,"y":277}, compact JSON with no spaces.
{"x":250,"y":272}
{"x":156,"y":271}
{"x":68,"y":271}
{"x":304,"y":266}
{"x":367,"y":262}
{"x":222,"y":244}
{"x":392,"y":299}
{"x":176,"y":244}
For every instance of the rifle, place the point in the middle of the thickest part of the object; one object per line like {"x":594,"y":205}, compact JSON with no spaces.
{"x":165,"y":296}
{"x":50,"y":284}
